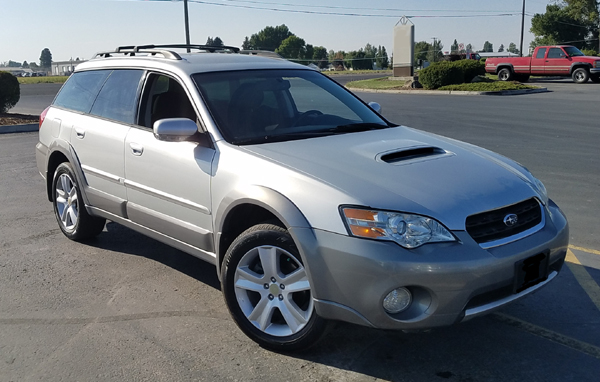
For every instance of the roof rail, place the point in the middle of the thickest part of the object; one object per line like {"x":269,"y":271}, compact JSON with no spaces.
{"x":152,"y":50}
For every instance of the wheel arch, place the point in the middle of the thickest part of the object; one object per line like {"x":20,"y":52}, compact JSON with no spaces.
{"x":505,"y":66}
{"x":60,"y":152}
{"x":243,"y":209}
{"x":577,"y":65}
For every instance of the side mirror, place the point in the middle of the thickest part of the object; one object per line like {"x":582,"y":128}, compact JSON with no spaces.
{"x":375,"y":106}
{"x":174,"y":129}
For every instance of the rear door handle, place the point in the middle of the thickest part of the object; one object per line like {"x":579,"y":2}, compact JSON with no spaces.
{"x":80,"y":133}
{"x":136,"y":149}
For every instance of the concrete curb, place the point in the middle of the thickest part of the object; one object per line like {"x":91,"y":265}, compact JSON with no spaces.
{"x":28,"y":128}
{"x":452,"y":92}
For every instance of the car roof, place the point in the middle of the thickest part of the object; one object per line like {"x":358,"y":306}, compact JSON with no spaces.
{"x":186,"y":63}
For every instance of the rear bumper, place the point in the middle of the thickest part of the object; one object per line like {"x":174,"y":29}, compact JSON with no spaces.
{"x":450,"y":282}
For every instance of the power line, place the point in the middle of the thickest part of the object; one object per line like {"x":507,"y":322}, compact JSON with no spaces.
{"x":340,"y":13}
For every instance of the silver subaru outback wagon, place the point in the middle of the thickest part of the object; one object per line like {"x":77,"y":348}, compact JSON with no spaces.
{"x":312,"y":206}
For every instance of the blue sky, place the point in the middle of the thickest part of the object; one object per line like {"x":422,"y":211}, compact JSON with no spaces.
{"x":80,"y":28}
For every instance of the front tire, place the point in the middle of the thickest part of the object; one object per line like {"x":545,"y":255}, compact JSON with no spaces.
{"x":595,"y":78}
{"x":505,"y":74}
{"x":580,"y":75}
{"x":69,"y":209}
{"x":267,"y":290}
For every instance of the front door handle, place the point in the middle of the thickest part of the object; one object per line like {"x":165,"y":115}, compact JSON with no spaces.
{"x":136,"y":149}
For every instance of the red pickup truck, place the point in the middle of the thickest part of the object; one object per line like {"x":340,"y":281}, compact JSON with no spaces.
{"x":559,"y":60}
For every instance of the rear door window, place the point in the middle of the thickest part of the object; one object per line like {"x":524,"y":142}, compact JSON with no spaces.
{"x":541,"y":53}
{"x":118,"y":98}
{"x":81,"y":89}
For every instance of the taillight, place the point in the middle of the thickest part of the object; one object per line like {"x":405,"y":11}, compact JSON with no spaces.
{"x":43,"y":116}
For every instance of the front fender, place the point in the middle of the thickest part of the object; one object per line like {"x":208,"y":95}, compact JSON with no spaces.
{"x":274,"y":202}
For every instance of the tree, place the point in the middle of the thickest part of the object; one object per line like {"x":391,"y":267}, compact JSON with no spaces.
{"x":469,"y":48}
{"x":421,"y":50}
{"x":382,"y":59}
{"x":269,"y":38}
{"x":565,"y":23}
{"x":501,"y":48}
{"x":512,"y":48}
{"x":33,"y":65}
{"x":10,"y":91}
{"x":13,"y":64}
{"x":217,"y":41}
{"x":488,"y":47}
{"x":25,"y":64}
{"x":292,"y":48}
{"x":454,"y":47}
{"x":246,"y":44}
{"x":320,"y":56}
{"x":46,"y":58}
{"x":435,"y":53}
{"x":309,"y":51}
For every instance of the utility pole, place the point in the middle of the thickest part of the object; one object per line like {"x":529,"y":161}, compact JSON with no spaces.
{"x":187,"y":24}
{"x":522,"y":28}
{"x":434,"y":49}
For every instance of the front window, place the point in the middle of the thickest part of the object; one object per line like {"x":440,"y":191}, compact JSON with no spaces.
{"x":259,"y":106}
{"x":573,"y":52}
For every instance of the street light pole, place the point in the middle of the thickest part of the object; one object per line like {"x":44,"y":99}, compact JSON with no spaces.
{"x":187,"y":24}
{"x":522,"y":27}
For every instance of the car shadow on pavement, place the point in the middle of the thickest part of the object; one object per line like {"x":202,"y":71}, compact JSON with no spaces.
{"x":122,"y":239}
{"x":483,"y":349}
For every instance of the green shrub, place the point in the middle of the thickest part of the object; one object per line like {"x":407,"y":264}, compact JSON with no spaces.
{"x":589,"y":52}
{"x":10,"y":91}
{"x":470,"y":69}
{"x":441,"y":74}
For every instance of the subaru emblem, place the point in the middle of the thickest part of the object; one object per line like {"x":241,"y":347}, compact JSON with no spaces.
{"x":510,"y":220}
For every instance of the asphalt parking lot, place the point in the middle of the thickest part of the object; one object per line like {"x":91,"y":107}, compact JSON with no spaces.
{"x":125,"y":307}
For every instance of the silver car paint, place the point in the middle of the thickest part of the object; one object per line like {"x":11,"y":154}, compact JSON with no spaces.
{"x":303,"y":183}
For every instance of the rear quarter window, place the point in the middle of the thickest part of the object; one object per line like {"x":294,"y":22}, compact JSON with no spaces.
{"x":80,"y":90}
{"x":118,"y":97}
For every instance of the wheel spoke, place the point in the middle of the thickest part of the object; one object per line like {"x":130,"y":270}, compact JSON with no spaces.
{"x":72,"y":215}
{"x":248,"y":280}
{"x":262,"y":313}
{"x":292,"y":315}
{"x":65,"y":183}
{"x":296,"y":281}
{"x":269,"y":260}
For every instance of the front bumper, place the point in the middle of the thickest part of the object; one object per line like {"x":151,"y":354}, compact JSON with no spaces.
{"x":450,"y":282}
{"x":595,"y":70}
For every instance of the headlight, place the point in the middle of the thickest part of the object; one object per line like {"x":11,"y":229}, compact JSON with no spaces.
{"x":408,"y":230}
{"x":541,"y":190}
{"x":596,"y":64}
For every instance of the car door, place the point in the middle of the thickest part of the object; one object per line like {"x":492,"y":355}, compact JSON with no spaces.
{"x":557,"y":62}
{"x":98,"y":134}
{"x":538,"y":61}
{"x":168,"y":183}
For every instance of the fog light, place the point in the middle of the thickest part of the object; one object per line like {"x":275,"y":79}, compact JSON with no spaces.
{"x":397,"y":300}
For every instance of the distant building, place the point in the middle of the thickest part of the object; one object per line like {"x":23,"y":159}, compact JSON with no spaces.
{"x":64,"y":68}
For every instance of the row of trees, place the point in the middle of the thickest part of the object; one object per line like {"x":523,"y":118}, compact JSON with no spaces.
{"x":282,"y":41}
{"x":45,"y":62}
{"x":573,"y":22}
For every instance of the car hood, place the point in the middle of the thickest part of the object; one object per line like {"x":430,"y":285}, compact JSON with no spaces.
{"x":403,"y":169}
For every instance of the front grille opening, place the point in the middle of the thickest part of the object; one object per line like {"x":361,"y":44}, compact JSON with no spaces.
{"x":413,"y":153}
{"x":489,"y":226}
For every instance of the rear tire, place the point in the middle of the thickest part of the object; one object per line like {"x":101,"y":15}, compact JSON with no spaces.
{"x":69,"y":209}
{"x":580,"y":75}
{"x":267,"y":290}
{"x":505,"y":74}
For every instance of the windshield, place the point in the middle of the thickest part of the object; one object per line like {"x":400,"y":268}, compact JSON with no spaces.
{"x":258,"y":106}
{"x":572,"y":51}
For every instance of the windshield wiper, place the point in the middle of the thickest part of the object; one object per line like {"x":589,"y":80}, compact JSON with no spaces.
{"x":357,"y":127}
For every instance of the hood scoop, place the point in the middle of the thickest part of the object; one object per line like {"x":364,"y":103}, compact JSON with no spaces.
{"x":413,"y":154}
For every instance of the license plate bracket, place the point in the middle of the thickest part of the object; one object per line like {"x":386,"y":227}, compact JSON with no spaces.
{"x":530,"y":271}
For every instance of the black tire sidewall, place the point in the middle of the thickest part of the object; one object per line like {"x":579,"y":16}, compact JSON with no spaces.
{"x":260,"y":235}
{"x":586,"y":75}
{"x":87,"y":226}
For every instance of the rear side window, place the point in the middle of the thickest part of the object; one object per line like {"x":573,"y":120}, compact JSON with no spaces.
{"x":540,"y":53}
{"x":118,"y":98}
{"x":80,"y":90}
